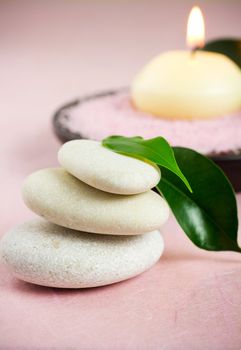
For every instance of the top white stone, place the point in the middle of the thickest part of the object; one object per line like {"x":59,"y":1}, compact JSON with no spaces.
{"x":106,"y":170}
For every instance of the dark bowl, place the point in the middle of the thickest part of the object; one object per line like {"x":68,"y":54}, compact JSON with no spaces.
{"x":230,"y":163}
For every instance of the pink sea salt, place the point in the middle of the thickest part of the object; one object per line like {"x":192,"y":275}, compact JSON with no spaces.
{"x":115,"y":115}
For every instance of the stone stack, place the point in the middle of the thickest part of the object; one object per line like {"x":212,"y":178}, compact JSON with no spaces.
{"x":101,"y":220}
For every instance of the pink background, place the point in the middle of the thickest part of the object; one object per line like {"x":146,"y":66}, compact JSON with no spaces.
{"x":50,"y":52}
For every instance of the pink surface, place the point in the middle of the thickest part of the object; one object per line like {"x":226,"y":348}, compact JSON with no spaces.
{"x":49,"y":53}
{"x":115,"y":115}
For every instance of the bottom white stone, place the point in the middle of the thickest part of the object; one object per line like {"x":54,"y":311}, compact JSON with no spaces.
{"x":49,"y":255}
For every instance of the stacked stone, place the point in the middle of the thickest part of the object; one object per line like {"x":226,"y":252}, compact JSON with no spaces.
{"x":101,"y":220}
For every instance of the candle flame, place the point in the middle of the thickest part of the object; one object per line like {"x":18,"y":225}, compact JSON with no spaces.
{"x":195,"y":29}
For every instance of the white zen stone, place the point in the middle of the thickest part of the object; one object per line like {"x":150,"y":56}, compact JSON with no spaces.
{"x":64,"y":200}
{"x":46,"y":254}
{"x":106,"y":170}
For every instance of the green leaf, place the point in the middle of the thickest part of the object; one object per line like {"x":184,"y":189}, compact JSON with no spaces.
{"x":228,"y":46}
{"x":155,"y":150}
{"x":208,"y":215}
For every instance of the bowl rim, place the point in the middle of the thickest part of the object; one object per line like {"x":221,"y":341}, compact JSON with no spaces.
{"x":61,"y":131}
{"x":64,"y":134}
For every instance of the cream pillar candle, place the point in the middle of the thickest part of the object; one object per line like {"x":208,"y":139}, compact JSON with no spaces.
{"x":188,"y":85}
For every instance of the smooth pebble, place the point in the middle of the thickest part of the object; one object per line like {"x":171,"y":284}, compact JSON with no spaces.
{"x":106,"y":170}
{"x":64,"y":200}
{"x":49,"y":255}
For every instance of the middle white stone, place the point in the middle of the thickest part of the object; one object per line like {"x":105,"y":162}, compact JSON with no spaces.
{"x":64,"y":200}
